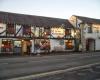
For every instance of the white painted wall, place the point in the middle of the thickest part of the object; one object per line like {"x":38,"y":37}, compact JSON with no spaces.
{"x":0,"y":44}
{"x":55,"y":44}
{"x":97,"y":44}
{"x":94,"y":36}
{"x":2,"y":28}
{"x":90,"y":35}
{"x":20,"y":32}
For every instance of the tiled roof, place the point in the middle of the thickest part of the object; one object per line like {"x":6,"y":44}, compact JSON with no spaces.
{"x":14,"y":18}
{"x":88,"y":20}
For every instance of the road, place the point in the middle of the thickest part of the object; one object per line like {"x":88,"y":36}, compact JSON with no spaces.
{"x":87,"y":73}
{"x":22,"y":66}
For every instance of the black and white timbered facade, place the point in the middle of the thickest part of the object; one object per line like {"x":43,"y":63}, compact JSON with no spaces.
{"x":25,"y":34}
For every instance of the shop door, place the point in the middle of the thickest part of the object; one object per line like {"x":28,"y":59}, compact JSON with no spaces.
{"x":17,"y":47}
{"x":26,"y":47}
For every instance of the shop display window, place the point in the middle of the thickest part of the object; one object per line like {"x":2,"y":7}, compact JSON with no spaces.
{"x":17,"y":46}
{"x":69,"y":44}
{"x":7,"y":46}
{"x":17,"y":43}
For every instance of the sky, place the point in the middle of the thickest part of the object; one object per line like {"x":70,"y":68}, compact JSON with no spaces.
{"x":53,"y":8}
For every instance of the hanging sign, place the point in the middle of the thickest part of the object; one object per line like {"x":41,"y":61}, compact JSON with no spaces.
{"x":58,"y":32}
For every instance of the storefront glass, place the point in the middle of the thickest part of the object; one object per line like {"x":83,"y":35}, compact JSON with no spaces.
{"x":7,"y":45}
{"x":69,"y":44}
{"x":17,"y":46}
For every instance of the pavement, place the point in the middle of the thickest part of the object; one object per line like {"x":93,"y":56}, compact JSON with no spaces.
{"x":15,"y":67}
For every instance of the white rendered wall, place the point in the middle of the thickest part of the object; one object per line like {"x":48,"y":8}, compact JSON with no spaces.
{"x":0,"y":44}
{"x":97,"y":44}
{"x":2,"y":28}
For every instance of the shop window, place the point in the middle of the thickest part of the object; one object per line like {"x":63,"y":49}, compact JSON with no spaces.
{"x":69,"y":44}
{"x":10,"y":30}
{"x":61,"y":42}
{"x":7,"y":45}
{"x":17,"y":46}
{"x":17,"y":43}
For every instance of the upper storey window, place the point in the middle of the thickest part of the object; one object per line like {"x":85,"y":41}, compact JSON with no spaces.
{"x":10,"y":30}
{"x":26,"y":31}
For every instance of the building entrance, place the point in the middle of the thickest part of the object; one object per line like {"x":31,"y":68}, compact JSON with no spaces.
{"x":26,"y":47}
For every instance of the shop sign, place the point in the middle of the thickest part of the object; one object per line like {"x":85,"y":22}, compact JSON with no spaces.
{"x":58,"y":32}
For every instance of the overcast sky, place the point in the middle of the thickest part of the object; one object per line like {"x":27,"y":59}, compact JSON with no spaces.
{"x":53,"y":8}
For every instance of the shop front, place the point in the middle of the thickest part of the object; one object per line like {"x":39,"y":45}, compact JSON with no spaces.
{"x":26,"y":47}
{"x":7,"y":46}
{"x":69,"y":44}
{"x":57,"y":41}
{"x":17,"y":47}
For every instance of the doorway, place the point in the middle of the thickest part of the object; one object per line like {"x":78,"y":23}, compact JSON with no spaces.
{"x":90,"y":45}
{"x":26,"y":47}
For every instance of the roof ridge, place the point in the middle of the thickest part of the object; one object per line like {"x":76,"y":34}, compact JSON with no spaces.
{"x":31,"y":15}
{"x":86,"y":17}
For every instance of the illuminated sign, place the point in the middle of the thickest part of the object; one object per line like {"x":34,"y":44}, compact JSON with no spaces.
{"x":58,"y":32}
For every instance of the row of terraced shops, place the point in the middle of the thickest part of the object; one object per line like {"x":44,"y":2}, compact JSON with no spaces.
{"x":27,"y":34}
